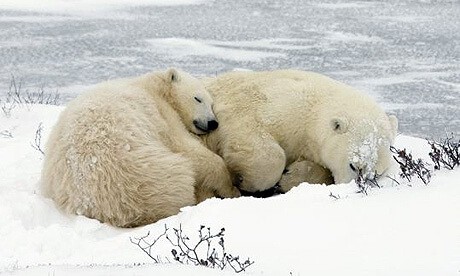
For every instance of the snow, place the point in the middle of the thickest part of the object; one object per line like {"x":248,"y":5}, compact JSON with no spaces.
{"x":278,"y":44}
{"x":82,"y":7}
{"x":395,"y":230}
{"x":341,"y":37}
{"x":343,"y":5}
{"x":180,"y":47}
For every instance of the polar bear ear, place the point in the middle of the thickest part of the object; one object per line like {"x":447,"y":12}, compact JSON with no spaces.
{"x":393,"y":124}
{"x":172,"y":75}
{"x":339,"y":125}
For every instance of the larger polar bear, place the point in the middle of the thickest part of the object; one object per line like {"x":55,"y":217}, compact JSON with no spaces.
{"x":300,"y":120}
{"x":124,"y":152}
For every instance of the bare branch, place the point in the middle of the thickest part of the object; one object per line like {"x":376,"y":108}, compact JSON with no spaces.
{"x":147,"y":246}
{"x":336,"y":197}
{"x":365,"y":183}
{"x":6,"y":134}
{"x":410,"y":167}
{"x":203,"y":252}
{"x":37,"y":144}
{"x":445,"y":153}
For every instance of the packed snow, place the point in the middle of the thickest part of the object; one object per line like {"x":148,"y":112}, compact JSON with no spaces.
{"x":406,"y":229}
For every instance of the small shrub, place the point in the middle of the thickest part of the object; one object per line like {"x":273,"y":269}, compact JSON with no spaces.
{"x":202,"y":252}
{"x":17,"y":95}
{"x":410,"y":167}
{"x":445,"y":153}
{"x":7,"y":107}
{"x":37,"y":143}
{"x":365,"y":183}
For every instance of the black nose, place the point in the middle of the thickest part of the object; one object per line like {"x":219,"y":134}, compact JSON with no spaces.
{"x":212,"y":125}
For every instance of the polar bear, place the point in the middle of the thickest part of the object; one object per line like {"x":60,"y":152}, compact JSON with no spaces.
{"x":269,"y":121}
{"x":303,"y":171}
{"x":126,"y":152}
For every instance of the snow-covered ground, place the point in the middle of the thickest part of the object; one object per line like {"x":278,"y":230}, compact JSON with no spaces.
{"x":395,"y":230}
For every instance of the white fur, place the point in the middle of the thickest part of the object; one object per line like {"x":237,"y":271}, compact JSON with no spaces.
{"x":123,"y":152}
{"x":270,"y":120}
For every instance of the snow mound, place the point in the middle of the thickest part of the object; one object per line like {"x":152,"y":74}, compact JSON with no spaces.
{"x":395,"y":230}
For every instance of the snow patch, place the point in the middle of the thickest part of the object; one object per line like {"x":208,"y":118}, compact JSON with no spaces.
{"x":33,"y":19}
{"x":344,"y":37}
{"x":267,"y":44}
{"x":395,"y":106}
{"x":351,"y":5}
{"x":181,"y":47}
{"x":405,"y":19}
{"x":80,"y":7}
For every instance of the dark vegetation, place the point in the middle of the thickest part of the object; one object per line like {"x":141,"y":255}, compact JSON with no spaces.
{"x":16,"y":95}
{"x":207,"y":250}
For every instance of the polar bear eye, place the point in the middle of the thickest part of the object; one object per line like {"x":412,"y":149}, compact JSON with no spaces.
{"x":197,"y":99}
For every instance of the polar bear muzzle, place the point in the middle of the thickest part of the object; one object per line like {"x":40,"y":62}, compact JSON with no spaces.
{"x":206,"y":126}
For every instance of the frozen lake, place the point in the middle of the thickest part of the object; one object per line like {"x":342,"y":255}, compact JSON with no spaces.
{"x":406,"y":54}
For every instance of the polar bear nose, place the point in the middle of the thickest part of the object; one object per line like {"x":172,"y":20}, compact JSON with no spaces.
{"x":206,"y":126}
{"x":212,"y":125}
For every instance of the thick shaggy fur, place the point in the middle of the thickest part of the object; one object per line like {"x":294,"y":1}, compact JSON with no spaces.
{"x":270,"y":120}
{"x":123,"y":153}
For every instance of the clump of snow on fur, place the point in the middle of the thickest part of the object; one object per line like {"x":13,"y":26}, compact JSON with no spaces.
{"x":363,"y":151}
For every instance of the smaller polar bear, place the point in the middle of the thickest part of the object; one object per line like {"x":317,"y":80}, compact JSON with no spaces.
{"x":124,"y":152}
{"x":305,"y":124}
{"x":304,"y":171}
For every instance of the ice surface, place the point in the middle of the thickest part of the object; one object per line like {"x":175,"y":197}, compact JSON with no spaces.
{"x":403,"y":53}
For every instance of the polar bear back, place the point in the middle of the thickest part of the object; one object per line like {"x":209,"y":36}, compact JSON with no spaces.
{"x":295,"y":115}
{"x":108,"y":157}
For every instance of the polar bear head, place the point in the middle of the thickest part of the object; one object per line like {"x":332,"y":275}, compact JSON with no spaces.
{"x":191,"y":101}
{"x":357,"y":141}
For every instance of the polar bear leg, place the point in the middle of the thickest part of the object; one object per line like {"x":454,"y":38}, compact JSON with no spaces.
{"x":304,"y":171}
{"x":161,"y":184}
{"x":212,"y":175}
{"x":257,"y":160}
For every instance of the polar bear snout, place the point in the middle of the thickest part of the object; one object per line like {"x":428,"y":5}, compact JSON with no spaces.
{"x":213,"y":125}
{"x":206,"y":125}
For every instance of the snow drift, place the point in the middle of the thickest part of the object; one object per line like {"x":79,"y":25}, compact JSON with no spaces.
{"x":395,"y":230}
